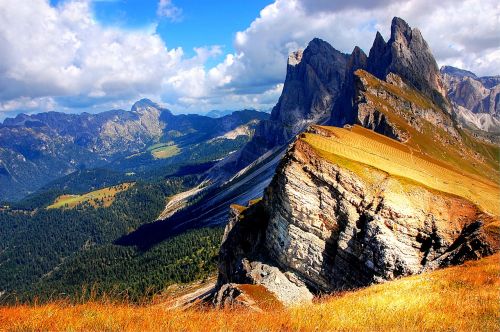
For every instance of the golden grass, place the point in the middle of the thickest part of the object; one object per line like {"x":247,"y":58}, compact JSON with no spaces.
{"x":431,"y":139}
{"x":462,"y":298}
{"x":164,"y":150}
{"x":364,"y":146}
{"x":106,"y":194}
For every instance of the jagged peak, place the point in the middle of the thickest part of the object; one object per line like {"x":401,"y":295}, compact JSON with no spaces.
{"x":358,"y":59}
{"x":358,"y":53}
{"x":399,"y":27}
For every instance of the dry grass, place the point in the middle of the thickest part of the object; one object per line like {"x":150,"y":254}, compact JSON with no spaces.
{"x":106,"y":194}
{"x":364,"y":146}
{"x":468,"y":154}
{"x":462,"y":298}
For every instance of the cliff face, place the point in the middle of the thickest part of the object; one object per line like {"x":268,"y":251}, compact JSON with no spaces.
{"x":347,"y":207}
{"x":407,"y":54}
{"x":314,"y":80}
{"x":332,"y":218}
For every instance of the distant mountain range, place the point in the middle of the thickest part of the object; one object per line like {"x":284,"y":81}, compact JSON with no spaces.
{"x":476,"y":100}
{"x":37,"y":149}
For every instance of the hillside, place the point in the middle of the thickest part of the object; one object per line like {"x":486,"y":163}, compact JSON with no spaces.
{"x":461,"y":298}
{"x":356,"y":148}
{"x":102,"y":197}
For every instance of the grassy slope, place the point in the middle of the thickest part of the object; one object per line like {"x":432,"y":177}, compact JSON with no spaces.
{"x":473,"y":156}
{"x":106,"y":194}
{"x":461,"y":298}
{"x":364,"y":146}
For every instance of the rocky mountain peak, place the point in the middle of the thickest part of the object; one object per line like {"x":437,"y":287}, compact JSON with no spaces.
{"x":400,"y":29}
{"x":313,"y":81}
{"x":357,"y":60}
{"x":408,"y":55}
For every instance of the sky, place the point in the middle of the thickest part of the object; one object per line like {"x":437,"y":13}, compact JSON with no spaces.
{"x":193,"y":56}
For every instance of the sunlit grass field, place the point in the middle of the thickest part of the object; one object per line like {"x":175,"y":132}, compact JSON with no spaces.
{"x":460,"y":298}
{"x":164,"y":150}
{"x":361,"y":145}
{"x":107,"y":195}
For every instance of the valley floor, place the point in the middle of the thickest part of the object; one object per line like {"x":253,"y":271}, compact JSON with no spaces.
{"x":462,"y":298}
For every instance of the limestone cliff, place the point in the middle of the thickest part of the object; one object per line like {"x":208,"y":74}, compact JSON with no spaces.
{"x":337,"y":216}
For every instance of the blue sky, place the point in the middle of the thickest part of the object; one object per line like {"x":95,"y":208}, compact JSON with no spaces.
{"x":202,"y":22}
{"x":193,"y":56}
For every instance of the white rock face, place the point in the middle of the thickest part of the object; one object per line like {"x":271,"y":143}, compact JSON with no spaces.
{"x":332,"y":228}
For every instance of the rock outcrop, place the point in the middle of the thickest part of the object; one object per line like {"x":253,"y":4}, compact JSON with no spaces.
{"x":348,"y":207}
{"x":314,"y":80}
{"x":332,"y":223}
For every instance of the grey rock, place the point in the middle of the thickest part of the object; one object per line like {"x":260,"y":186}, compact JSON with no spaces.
{"x":475,"y":100}
{"x":408,"y":55}
{"x":332,"y":230}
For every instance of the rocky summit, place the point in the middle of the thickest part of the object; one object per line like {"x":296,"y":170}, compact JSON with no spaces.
{"x":402,"y":188}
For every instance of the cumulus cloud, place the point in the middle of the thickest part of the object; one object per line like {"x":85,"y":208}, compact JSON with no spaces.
{"x":465,"y":33}
{"x":168,"y":10}
{"x":61,"y":58}
{"x":62,"y":53}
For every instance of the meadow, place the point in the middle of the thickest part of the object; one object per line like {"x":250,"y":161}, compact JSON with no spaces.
{"x":364,"y":146}
{"x":103,"y":197}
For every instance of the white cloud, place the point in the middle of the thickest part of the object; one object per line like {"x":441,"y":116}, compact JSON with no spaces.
{"x":465,"y":33}
{"x":61,"y":58}
{"x":64,"y":54}
{"x":167,"y":9}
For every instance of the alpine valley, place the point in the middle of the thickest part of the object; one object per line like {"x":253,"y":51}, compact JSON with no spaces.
{"x":372,"y":183}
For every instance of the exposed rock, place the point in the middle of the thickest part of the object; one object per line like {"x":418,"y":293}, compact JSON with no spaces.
{"x":408,"y":55}
{"x":344,"y":111}
{"x":311,"y":87}
{"x":395,"y":97}
{"x":476,"y":100}
{"x":314,"y":81}
{"x":242,"y":261}
{"x":335,"y":227}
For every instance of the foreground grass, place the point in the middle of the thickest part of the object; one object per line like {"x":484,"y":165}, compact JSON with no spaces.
{"x":463,"y":298}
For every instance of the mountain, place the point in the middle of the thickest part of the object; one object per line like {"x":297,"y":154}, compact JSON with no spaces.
{"x":36,"y":149}
{"x":401,"y":189}
{"x":321,"y":87}
{"x":219,"y":113}
{"x":476,"y":100}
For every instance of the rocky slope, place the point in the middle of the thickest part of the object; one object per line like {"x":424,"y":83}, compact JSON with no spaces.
{"x":332,"y":219}
{"x":476,"y":100}
{"x":350,"y":207}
